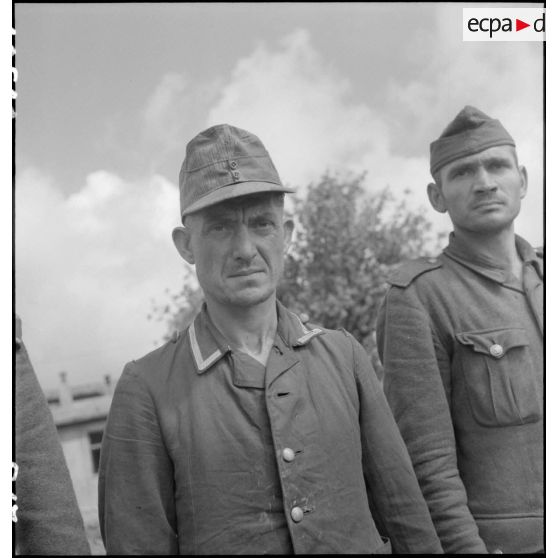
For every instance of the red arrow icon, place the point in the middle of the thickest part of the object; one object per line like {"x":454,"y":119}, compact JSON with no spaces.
{"x":519,"y":25}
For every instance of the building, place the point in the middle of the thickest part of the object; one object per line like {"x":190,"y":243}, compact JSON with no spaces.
{"x":80,"y":414}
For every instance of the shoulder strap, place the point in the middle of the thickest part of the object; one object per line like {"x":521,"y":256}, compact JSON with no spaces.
{"x":407,"y":272}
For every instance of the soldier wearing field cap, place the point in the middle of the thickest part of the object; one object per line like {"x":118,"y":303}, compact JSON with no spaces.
{"x":461,"y":340}
{"x":251,"y":432}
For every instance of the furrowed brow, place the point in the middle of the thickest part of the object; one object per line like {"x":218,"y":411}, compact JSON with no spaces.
{"x":217,"y":219}
{"x":462,"y":167}
{"x":262,"y":215}
{"x":499,"y":161}
{"x":218,"y":215}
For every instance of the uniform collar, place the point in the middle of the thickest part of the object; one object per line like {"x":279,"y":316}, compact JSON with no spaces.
{"x":489,"y":267}
{"x":291,"y":329}
{"x":209,"y":346}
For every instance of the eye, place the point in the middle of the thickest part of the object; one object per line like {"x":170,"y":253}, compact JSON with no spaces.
{"x":497,"y":165}
{"x":458,"y":173}
{"x":264,"y":225}
{"x":219,"y":228}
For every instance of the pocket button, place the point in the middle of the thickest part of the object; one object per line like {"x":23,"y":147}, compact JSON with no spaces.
{"x":297,"y":514}
{"x":496,"y":350}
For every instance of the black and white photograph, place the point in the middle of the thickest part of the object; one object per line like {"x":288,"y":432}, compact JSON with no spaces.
{"x":278,"y":278}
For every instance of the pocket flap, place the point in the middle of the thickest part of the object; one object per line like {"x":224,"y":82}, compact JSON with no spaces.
{"x":494,"y":342}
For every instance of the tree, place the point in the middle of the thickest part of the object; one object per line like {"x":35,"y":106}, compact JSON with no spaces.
{"x":347,"y":242}
{"x":182,"y":307}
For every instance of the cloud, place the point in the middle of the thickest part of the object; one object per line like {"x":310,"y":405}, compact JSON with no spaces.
{"x":301,"y":108}
{"x":503,"y":79}
{"x":171,"y":87}
{"x":174,"y":112}
{"x":309,"y":117}
{"x":88,"y":266}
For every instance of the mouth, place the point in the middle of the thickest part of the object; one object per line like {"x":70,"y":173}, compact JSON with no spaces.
{"x":245,"y":272}
{"x":488,"y":204}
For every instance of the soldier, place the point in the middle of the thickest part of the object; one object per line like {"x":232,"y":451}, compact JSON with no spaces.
{"x":48,"y":520}
{"x":461,"y":340}
{"x":250,"y":433}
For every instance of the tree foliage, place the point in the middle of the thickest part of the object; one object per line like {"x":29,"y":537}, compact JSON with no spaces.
{"x":181,"y":308}
{"x":347,"y":242}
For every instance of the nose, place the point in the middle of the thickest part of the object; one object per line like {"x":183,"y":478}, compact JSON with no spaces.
{"x":484,"y":180}
{"x":244,"y":247}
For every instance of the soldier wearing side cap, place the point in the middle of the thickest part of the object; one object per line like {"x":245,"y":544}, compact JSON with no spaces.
{"x":251,"y":432}
{"x":461,"y":340}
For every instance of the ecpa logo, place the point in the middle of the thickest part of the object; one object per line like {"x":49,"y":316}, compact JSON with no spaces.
{"x":503,"y":24}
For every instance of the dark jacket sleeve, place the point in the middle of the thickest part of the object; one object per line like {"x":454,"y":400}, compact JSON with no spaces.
{"x":48,"y":518}
{"x":136,"y":479}
{"x":417,"y":378}
{"x":396,"y":501}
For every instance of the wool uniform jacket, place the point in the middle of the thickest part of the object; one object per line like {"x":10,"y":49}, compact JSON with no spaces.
{"x":461,"y":342}
{"x":208,"y":452}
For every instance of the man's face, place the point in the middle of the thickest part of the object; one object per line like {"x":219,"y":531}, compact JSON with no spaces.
{"x":238,"y":248}
{"x":482,"y":192}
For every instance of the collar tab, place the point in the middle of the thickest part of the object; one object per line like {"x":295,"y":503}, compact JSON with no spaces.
{"x":308,"y":334}
{"x":201,"y":363}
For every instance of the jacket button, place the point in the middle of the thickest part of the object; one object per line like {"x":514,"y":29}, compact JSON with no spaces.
{"x":297,"y":514}
{"x":496,"y":350}
{"x":288,"y":455}
{"x":233,"y":164}
{"x":236,"y":175}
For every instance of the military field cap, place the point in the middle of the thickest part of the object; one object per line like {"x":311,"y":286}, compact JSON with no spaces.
{"x":224,"y":162}
{"x":470,"y":132}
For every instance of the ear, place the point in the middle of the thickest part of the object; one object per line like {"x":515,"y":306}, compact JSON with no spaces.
{"x":524,"y":181}
{"x":288,"y":227}
{"x":182,"y":238}
{"x":434,"y":191}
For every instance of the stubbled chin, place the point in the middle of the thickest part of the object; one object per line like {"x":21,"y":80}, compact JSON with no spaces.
{"x":251,"y":295}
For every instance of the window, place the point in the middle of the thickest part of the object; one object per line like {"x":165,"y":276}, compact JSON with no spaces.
{"x":95,"y":439}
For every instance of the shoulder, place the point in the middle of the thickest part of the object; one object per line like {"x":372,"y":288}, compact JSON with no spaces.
{"x":348,"y":353}
{"x":159,"y":361}
{"x":304,"y":332}
{"x":144,"y":379}
{"x":408,"y":271}
{"x":336,"y":341}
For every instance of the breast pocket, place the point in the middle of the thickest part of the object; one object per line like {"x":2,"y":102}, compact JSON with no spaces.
{"x":499,"y":376}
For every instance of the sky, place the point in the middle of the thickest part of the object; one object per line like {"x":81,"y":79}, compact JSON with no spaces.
{"x":109,"y":95}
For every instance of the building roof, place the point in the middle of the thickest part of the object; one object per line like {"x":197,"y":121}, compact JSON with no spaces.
{"x":83,"y":410}
{"x":80,"y":391}
{"x":77,"y":404}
